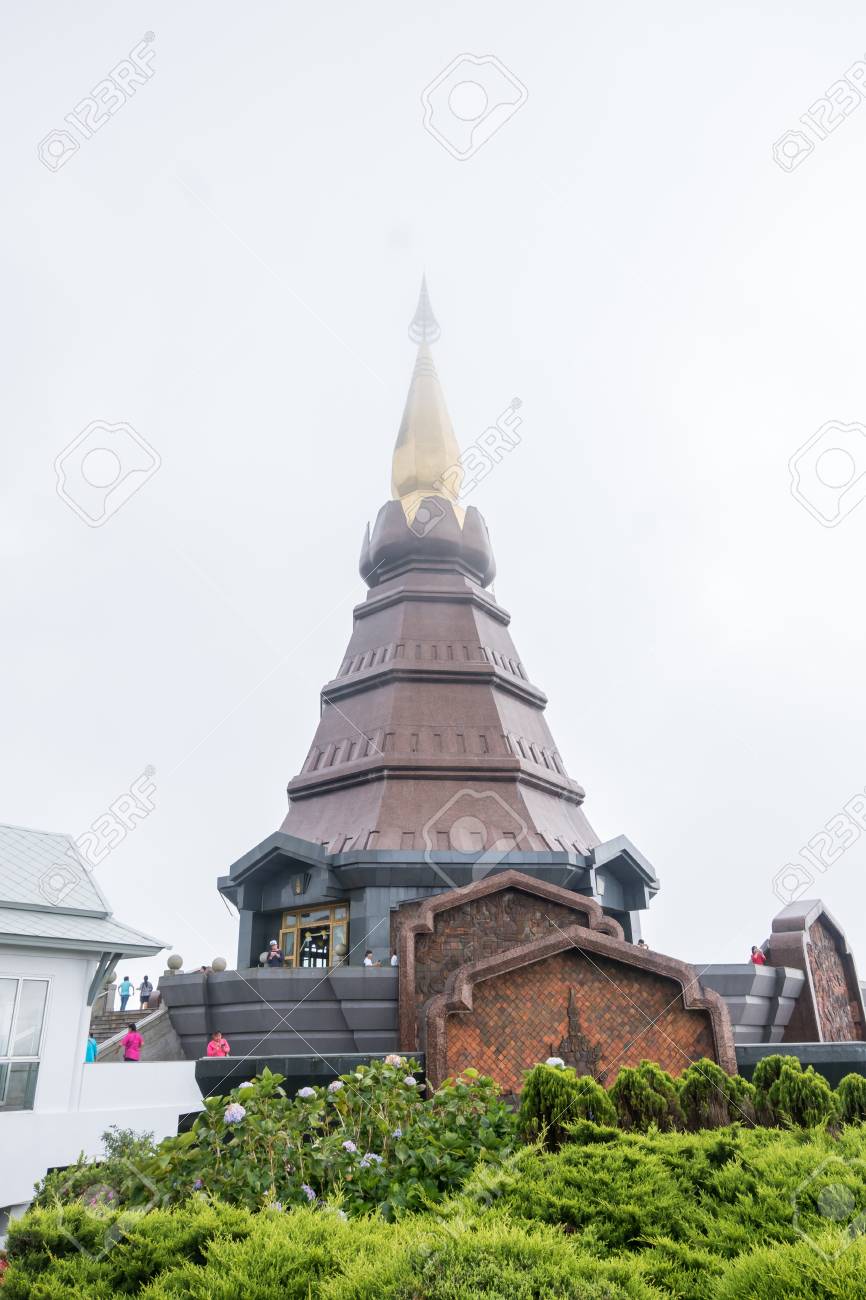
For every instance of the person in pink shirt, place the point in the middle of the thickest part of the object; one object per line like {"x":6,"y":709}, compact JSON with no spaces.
{"x":131,"y":1044}
{"x":218,"y":1046}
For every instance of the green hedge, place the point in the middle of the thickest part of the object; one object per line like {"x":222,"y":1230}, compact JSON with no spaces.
{"x":369,"y":1189}
{"x":684,"y":1206}
{"x":619,"y":1216}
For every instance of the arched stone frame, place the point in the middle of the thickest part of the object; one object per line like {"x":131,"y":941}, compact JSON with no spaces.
{"x":458,"y":995}
{"x":419,"y":918}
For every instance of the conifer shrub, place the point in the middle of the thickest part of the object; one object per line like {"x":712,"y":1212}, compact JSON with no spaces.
{"x":851,"y":1096}
{"x":666,"y":1086}
{"x":742,"y":1100}
{"x":637,"y":1104}
{"x":646,"y":1095}
{"x":300,"y":1253}
{"x":764,"y":1075}
{"x":768,"y":1069}
{"x":802,"y":1097}
{"x":706,"y":1095}
{"x":829,"y":1265}
{"x":716,"y":1215}
{"x":553,"y":1097}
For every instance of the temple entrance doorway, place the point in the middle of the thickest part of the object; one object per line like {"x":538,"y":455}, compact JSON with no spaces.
{"x":315,"y":937}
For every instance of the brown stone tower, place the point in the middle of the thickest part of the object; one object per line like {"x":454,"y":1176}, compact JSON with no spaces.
{"x":432,"y":736}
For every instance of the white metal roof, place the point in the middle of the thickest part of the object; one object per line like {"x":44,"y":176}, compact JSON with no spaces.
{"x":49,"y":897}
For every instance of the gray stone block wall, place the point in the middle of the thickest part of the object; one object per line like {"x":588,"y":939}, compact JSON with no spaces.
{"x":285,"y":1012}
{"x":760,"y":999}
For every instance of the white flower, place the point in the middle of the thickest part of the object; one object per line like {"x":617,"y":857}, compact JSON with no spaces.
{"x":247,"y":1083}
{"x":554,"y":1060}
{"x":350,"y":1147}
{"x":335,"y":1085}
{"x":410,"y":1081}
{"x":234,"y":1113}
{"x":394,"y":1059}
{"x":306,"y":1092}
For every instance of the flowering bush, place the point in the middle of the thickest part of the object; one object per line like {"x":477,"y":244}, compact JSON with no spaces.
{"x":368,"y":1139}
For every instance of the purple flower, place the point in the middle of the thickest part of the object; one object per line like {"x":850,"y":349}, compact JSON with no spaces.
{"x":197,"y":1184}
{"x":306,"y":1092}
{"x":398,"y":1133}
{"x":370,"y":1158}
{"x":350,"y":1147}
{"x":234,"y":1113}
{"x":247,"y":1083}
{"x":335,"y":1085}
{"x":308,"y":1191}
{"x":410,"y":1081}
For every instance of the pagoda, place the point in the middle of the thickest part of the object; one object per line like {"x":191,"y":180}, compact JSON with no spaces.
{"x":432,"y":765}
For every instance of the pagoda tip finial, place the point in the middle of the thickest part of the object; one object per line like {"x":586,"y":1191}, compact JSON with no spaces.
{"x":424,"y":327}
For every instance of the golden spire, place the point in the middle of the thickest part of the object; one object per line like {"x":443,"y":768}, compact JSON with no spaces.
{"x":426,"y":455}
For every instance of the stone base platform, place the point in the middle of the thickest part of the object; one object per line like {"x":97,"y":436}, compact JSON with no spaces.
{"x":287,"y":1013}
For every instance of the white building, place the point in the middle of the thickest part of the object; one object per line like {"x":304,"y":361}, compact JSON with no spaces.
{"x":58,"y":943}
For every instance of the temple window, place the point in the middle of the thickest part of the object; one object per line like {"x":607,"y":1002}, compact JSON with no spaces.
{"x":317,"y":937}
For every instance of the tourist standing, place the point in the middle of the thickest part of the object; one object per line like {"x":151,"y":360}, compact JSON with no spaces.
{"x":131,"y":1044}
{"x":91,"y":1050}
{"x":218,"y":1046}
{"x":126,"y":990}
{"x":274,"y":957}
{"x":145,"y":989}
{"x":394,"y":957}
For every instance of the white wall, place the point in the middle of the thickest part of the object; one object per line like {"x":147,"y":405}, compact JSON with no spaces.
{"x":67,"y":1017}
{"x":74,"y":1103}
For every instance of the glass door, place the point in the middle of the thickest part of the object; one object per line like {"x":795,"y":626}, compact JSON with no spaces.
{"x":315,"y":937}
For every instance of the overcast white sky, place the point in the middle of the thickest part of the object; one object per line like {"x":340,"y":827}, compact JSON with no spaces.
{"x":229,"y":264}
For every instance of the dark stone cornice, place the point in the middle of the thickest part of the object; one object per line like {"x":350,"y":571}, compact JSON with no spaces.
{"x":468,"y":595}
{"x":414,"y":767}
{"x":446,"y":672}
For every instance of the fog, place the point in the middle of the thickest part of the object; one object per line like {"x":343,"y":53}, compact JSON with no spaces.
{"x":224,"y":257}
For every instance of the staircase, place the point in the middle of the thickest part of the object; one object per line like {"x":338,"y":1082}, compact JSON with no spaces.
{"x":107,"y":1024}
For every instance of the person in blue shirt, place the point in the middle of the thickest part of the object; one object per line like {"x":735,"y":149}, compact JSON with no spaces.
{"x":126,"y":990}
{"x":90,"y":1054}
